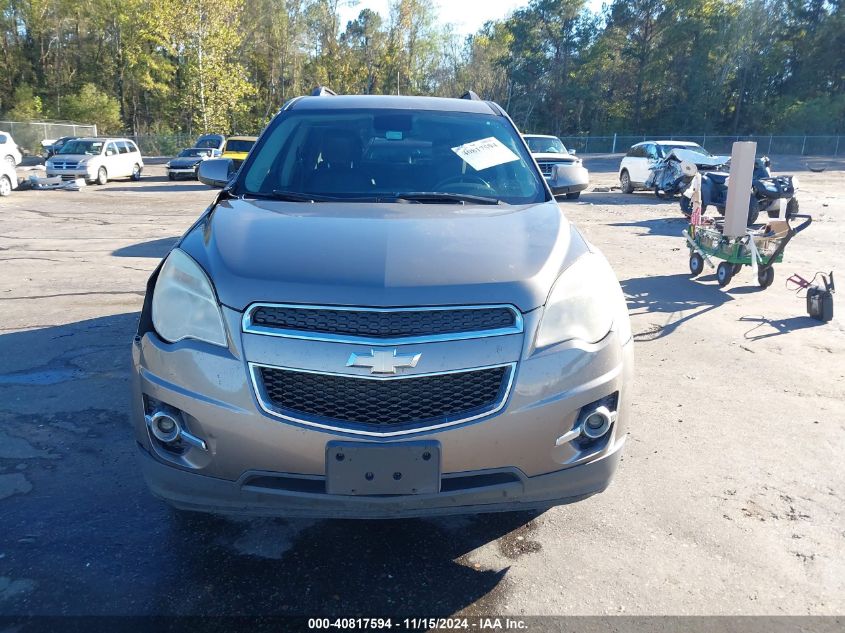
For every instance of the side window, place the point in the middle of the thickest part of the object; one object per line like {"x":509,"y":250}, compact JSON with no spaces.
{"x":651,"y":151}
{"x":111,"y":150}
{"x":122,"y":147}
{"x":132,"y":148}
{"x":3,"y":139}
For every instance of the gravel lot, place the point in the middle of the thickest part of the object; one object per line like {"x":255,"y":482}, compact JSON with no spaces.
{"x":729,"y":499}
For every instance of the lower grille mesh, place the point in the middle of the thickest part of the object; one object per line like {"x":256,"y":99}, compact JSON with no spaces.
{"x":422,"y":400}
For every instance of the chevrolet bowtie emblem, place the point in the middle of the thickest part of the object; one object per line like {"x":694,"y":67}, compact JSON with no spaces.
{"x":383,"y":362}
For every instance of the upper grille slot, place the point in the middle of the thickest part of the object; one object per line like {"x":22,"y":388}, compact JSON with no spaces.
{"x":383,"y":405}
{"x":382,"y":325}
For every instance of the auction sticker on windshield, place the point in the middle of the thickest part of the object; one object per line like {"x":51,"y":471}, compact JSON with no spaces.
{"x":487,"y":152}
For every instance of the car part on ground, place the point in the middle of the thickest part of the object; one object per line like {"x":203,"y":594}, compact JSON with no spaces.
{"x":390,"y":317}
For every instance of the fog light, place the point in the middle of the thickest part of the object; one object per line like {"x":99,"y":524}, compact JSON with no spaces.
{"x":164,"y":427}
{"x":596,"y":423}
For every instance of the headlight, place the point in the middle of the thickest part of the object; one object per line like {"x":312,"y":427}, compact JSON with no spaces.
{"x":167,"y":165}
{"x":184,"y":305}
{"x":82,"y":162}
{"x":586,"y":301}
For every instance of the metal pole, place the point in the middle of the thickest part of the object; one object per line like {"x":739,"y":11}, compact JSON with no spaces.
{"x":803,"y":145}
{"x":770,"y":145}
{"x":836,"y":150}
{"x":613,"y":151}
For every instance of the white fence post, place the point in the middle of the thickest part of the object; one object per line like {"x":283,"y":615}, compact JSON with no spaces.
{"x":613,"y":150}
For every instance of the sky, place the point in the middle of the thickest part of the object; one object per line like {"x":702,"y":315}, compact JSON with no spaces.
{"x":467,"y":16}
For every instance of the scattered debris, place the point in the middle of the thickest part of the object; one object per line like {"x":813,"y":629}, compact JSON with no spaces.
{"x":54,"y":182}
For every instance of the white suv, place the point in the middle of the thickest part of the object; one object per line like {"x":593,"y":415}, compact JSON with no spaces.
{"x":637,"y":164}
{"x":9,"y":150}
{"x":97,"y":160}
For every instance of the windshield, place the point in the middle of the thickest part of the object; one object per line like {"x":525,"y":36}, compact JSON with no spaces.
{"x":209,"y":141}
{"x":665,"y":149}
{"x":383,"y":153}
{"x":238,"y":146}
{"x":92,"y":148}
{"x":185,"y":153}
{"x":545,"y":145}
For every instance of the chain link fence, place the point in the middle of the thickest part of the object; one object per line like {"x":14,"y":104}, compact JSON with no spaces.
{"x":716,"y":144}
{"x":29,"y":135}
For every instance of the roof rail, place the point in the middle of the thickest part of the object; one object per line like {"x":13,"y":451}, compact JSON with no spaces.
{"x":322,"y":91}
{"x":469,"y":94}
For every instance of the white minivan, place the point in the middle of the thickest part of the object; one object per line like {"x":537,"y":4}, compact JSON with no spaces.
{"x":9,"y":150}
{"x":97,"y":160}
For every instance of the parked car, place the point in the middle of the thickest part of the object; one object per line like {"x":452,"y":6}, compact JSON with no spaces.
{"x":97,"y":160}
{"x":188,"y":160}
{"x":9,"y":150}
{"x":8,"y":178}
{"x":237,"y":148}
{"x":211,"y":141}
{"x":52,"y":147}
{"x":562,"y":170}
{"x":350,"y":333}
{"x":636,"y":167}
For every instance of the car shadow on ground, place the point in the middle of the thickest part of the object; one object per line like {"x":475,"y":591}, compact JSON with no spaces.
{"x":670,"y":295}
{"x":154,"y":248}
{"x":82,"y":535}
{"x":663,"y":227}
{"x":165,"y":186}
{"x":618,"y":198}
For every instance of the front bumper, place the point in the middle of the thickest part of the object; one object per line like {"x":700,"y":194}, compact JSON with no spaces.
{"x":72,"y":174}
{"x":182,"y":171}
{"x":252,"y":456}
{"x":568,"y":179}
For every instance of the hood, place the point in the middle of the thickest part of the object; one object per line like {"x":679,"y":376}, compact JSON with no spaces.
{"x":698,"y":159}
{"x":185,"y":161}
{"x":382,"y":254}
{"x":555,"y":158}
{"x":72,"y":157}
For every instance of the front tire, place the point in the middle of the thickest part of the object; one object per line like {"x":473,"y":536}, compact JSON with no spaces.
{"x":696,"y":264}
{"x":625,"y":182}
{"x":724,"y":273}
{"x":5,"y":186}
{"x":573,"y":196}
{"x":102,"y":176}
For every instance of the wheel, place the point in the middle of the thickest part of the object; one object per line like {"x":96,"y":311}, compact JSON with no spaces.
{"x":573,"y":196}
{"x":765,"y":277}
{"x":791,"y":208}
{"x":662,"y":195}
{"x":737,"y":268}
{"x":5,"y":186}
{"x":11,"y":160}
{"x":171,"y":176}
{"x":686,"y":205}
{"x":753,"y":210}
{"x":724,"y":272}
{"x":696,"y":264}
{"x":136,"y":172}
{"x":102,"y":176}
{"x":625,"y":182}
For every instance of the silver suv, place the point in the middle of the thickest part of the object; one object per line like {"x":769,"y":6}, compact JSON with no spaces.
{"x":384,"y":313}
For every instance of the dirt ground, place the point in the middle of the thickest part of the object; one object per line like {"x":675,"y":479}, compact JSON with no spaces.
{"x":729,"y":499}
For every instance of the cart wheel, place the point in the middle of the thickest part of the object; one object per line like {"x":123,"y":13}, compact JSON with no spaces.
{"x":737,"y":268}
{"x":696,"y":264}
{"x":724,"y":273}
{"x":765,"y":277}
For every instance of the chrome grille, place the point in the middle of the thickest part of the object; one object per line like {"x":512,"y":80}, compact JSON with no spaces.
{"x":65,"y":164}
{"x":382,"y":325}
{"x":382,"y":405}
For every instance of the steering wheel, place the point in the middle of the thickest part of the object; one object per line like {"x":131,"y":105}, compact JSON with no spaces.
{"x":463,"y":179}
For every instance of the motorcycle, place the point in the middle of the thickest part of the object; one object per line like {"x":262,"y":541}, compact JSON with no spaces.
{"x":669,"y":176}
{"x":766,"y":192}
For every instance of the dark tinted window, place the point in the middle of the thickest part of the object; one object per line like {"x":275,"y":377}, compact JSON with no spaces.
{"x":636,"y":152}
{"x":236,"y":145}
{"x":91,"y":148}
{"x":122,"y":147}
{"x":381,"y":153}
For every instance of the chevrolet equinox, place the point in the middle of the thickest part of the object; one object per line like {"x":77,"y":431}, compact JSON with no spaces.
{"x":384,"y":313}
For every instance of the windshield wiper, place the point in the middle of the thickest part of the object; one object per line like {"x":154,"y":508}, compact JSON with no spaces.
{"x":444,"y":197}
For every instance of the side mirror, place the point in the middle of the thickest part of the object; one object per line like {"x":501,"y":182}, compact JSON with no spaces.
{"x":216,"y":172}
{"x":572,"y":152}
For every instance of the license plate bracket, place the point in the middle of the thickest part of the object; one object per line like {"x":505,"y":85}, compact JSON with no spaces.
{"x":374,"y":469}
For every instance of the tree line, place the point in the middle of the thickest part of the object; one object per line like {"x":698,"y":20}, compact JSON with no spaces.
{"x":637,"y":66}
